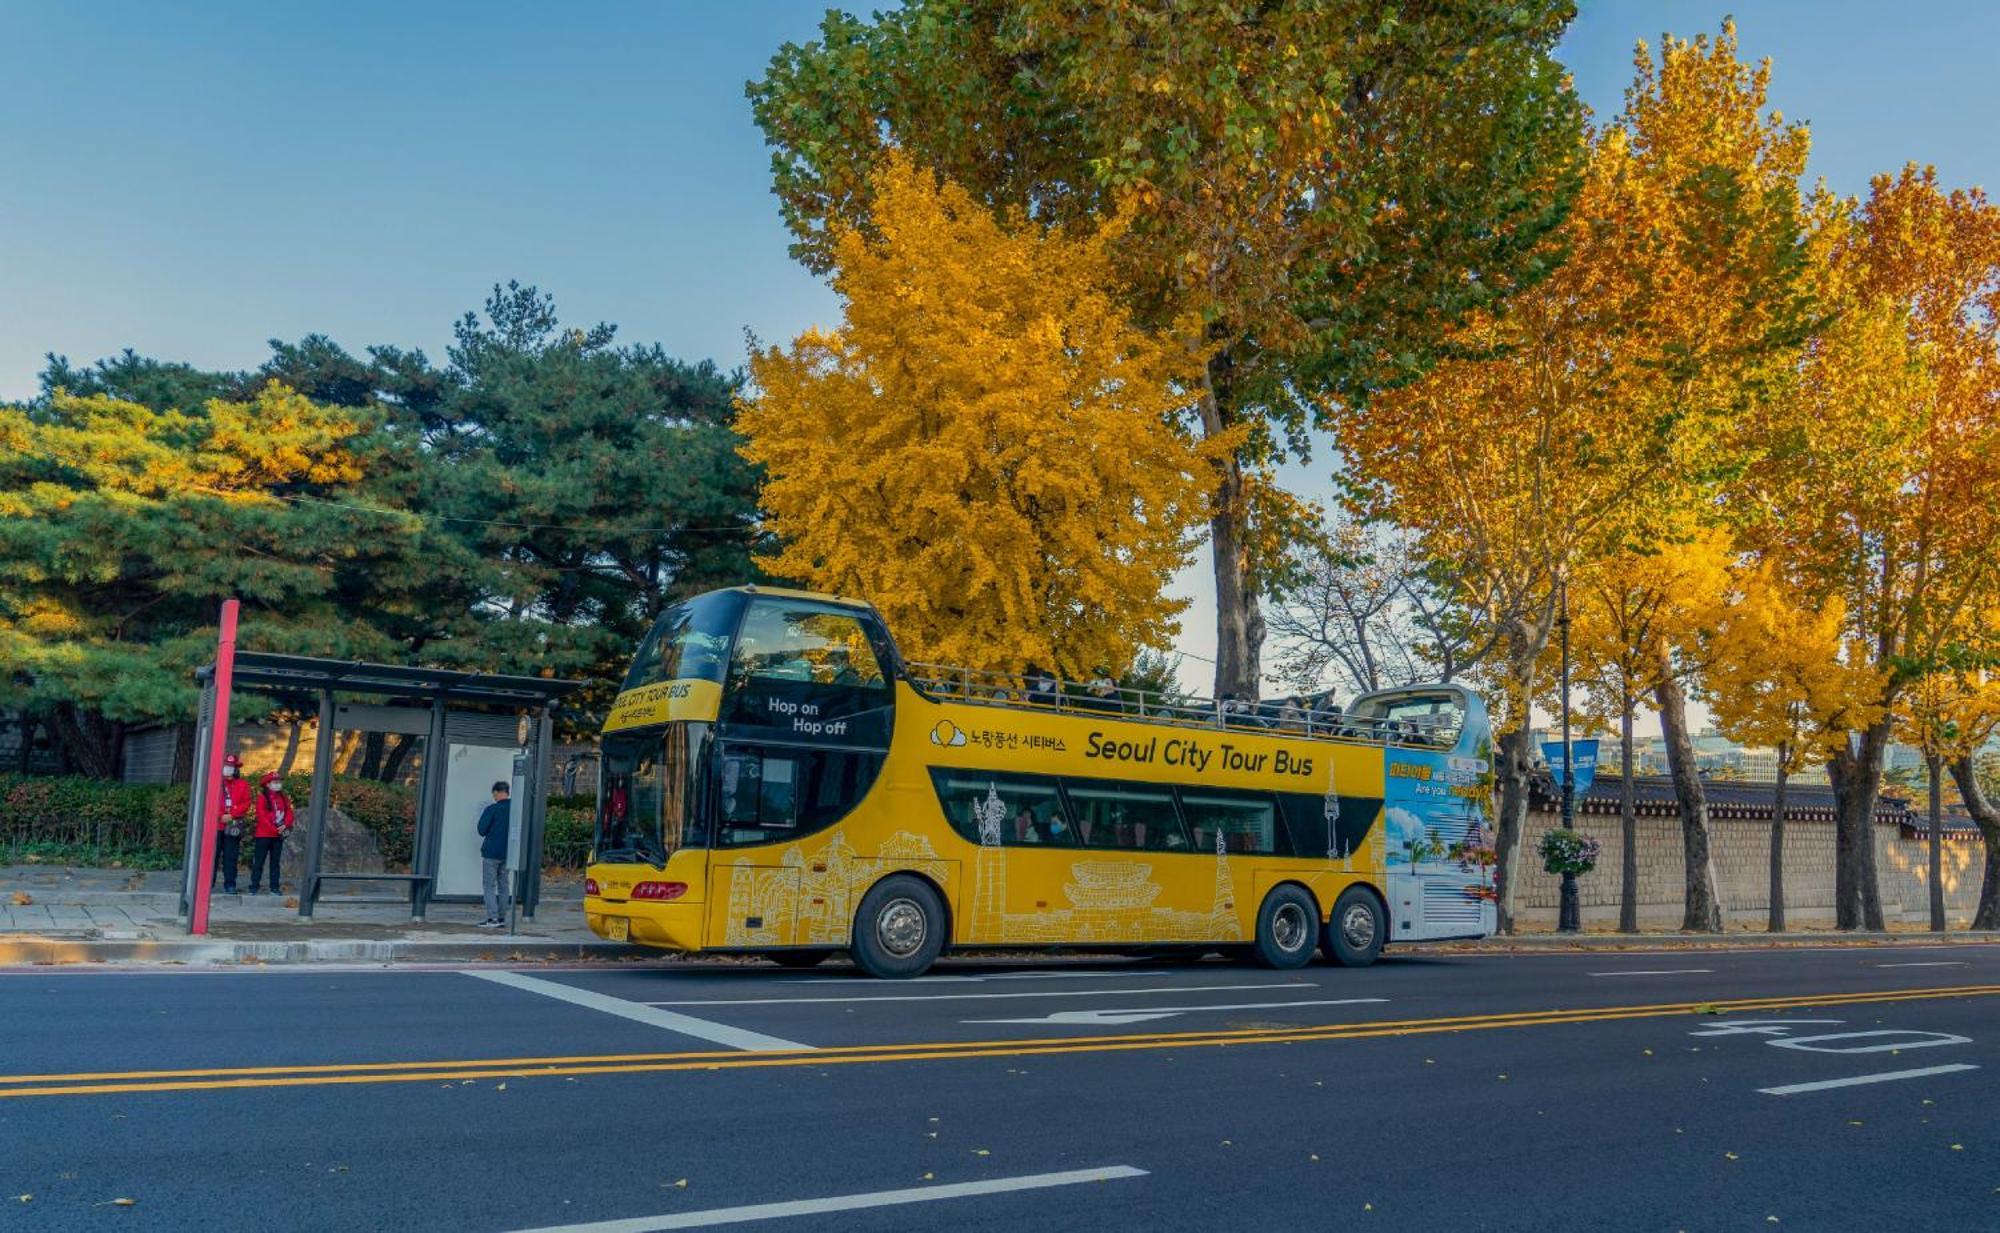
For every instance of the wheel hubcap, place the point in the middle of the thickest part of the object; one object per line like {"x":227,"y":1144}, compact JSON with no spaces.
{"x":900,"y":927}
{"x":1357,"y":926}
{"x":1288,"y":927}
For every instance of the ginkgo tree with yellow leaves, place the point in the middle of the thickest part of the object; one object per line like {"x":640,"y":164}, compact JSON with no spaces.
{"x":987,"y":447}
{"x":1640,"y":629}
{"x":1874,"y":484}
{"x":1593,"y":416}
{"x":1781,"y":675}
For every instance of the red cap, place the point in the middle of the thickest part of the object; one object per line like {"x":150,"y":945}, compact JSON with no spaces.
{"x":232,"y":760}
{"x":270,"y":777}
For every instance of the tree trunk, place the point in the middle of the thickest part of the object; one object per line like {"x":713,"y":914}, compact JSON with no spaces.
{"x":1628,"y":828}
{"x":291,"y":748}
{"x":1935,"y":765}
{"x":1987,"y":914}
{"x":1776,"y":919}
{"x":183,"y":768}
{"x":371,"y":754}
{"x":1239,"y":619}
{"x":24,"y":756}
{"x":91,"y":741}
{"x":1855,"y":771}
{"x":393,"y":763}
{"x":1513,"y":759}
{"x":1703,"y":910}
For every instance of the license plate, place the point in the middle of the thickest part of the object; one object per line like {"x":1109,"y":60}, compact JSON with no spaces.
{"x":618,"y":928}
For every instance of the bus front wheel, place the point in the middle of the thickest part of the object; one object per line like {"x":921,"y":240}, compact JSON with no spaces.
{"x":899,"y":931}
{"x":1355,"y":934}
{"x":1285,"y":928}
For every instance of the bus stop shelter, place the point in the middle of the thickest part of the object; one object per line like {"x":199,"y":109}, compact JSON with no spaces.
{"x":477,"y":728}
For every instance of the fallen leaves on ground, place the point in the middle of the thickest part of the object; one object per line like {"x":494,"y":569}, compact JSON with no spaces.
{"x":22,"y":899}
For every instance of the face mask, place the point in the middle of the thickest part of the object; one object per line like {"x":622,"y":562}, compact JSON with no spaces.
{"x":229,"y":772}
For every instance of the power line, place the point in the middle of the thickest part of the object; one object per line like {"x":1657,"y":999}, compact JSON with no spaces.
{"x":484,"y":522}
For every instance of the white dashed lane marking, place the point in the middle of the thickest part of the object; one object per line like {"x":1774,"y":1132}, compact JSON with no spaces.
{"x":1886,"y":1076}
{"x":847,"y":1202}
{"x":980,"y":997}
{"x":639,"y":1012}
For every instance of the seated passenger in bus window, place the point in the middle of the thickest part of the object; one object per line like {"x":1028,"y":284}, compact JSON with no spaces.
{"x":840,"y":668}
{"x":1027,"y":828}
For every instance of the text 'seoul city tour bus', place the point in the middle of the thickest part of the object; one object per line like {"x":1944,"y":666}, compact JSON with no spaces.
{"x":776,"y":780}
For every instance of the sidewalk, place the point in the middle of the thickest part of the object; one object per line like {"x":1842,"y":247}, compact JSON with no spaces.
{"x":126,"y":916}
{"x":54,"y":914}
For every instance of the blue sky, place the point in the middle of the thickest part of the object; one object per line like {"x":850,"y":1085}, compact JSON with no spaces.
{"x":190,"y":180}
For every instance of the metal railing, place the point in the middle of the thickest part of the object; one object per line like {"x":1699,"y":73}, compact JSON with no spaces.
{"x":1108,"y":700}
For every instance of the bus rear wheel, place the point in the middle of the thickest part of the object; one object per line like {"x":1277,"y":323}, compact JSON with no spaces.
{"x":899,"y":930}
{"x":1286,"y":929}
{"x":799,"y":958}
{"x":1357,"y":929}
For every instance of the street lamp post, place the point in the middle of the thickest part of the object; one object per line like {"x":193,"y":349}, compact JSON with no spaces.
{"x":1570,"y":919}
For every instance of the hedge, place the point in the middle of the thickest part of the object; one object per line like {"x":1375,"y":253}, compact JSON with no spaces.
{"x":135,"y":820}
{"x":74,"y":820}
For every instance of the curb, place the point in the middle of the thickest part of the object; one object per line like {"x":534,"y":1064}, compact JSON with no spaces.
{"x":36,"y":951}
{"x":1696,"y":941}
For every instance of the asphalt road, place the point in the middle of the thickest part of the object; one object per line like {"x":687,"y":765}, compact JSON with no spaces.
{"x":1844,"y":1088}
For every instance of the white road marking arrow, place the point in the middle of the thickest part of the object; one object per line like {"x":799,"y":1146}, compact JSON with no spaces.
{"x":1141,"y":1014}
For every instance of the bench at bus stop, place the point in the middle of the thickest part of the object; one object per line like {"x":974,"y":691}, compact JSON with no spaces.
{"x":419,"y":884}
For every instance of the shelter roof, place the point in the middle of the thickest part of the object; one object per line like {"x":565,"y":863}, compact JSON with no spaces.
{"x":306,"y":673}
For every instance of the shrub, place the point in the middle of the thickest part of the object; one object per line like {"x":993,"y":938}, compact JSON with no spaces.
{"x":124,"y":821}
{"x":567,"y":837}
{"x":80,"y":821}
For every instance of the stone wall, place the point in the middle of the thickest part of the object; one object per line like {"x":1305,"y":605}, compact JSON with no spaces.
{"x":1742,"y":858}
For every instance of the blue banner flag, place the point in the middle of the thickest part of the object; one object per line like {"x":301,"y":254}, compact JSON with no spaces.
{"x":1586,"y":762}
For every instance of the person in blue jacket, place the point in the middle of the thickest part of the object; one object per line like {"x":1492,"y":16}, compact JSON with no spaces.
{"x":493,"y":822}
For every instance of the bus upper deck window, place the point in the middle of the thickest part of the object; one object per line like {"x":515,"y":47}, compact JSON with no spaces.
{"x":801,"y":641}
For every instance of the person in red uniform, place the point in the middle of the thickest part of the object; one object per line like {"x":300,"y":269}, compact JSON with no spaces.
{"x":232,"y":812}
{"x":275,"y":819}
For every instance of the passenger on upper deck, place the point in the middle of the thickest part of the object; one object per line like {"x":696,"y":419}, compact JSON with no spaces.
{"x":1292,"y":714}
{"x":1103,"y":691}
{"x":1041,"y":686}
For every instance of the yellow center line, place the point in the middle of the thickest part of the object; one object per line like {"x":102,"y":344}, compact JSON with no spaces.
{"x":221,"y":1079}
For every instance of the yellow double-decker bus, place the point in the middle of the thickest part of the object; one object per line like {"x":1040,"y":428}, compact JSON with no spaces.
{"x":777,"y":780}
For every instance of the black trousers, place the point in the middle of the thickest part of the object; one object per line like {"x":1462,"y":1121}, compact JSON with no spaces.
{"x":228,"y":855}
{"x":261,"y":847}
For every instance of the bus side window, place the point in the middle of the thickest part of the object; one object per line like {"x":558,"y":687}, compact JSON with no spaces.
{"x":1020,"y":810}
{"x":767,"y":794}
{"x":1119,"y":814}
{"x":1246,"y":821}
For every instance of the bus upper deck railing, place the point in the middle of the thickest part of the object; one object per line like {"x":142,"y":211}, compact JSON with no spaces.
{"x":1101,"y":699}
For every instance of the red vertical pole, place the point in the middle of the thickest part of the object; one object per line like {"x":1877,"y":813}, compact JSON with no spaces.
{"x":218,"y":745}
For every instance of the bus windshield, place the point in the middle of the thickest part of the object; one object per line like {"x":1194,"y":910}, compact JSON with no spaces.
{"x":645,"y":811}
